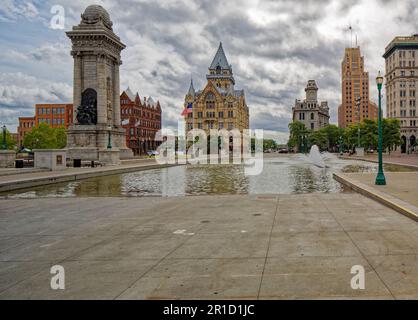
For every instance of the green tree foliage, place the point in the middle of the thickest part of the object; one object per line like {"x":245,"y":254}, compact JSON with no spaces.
{"x":11,"y":144}
{"x":297,"y":130}
{"x":45,"y":137}
{"x":391,"y":132}
{"x":328,"y":137}
{"x":320,"y":138}
{"x":269,"y":144}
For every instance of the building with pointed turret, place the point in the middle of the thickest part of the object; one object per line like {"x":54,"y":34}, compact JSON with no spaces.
{"x":219,"y":105}
{"x":141,"y":121}
{"x":313,"y":114}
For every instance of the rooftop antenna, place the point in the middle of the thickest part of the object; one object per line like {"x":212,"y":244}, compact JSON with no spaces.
{"x":351,"y":35}
{"x":356,"y":41}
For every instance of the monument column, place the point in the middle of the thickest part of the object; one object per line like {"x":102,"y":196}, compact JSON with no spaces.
{"x":77,"y":85}
{"x":116,"y":90}
{"x":96,"y":51}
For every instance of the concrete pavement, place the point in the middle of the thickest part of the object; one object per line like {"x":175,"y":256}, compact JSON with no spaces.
{"x":216,"y":247}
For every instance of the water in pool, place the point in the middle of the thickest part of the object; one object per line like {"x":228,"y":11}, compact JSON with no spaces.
{"x":281,"y":175}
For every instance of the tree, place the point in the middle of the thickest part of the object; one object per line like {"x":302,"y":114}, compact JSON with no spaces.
{"x":11,"y":143}
{"x":333,"y":135}
{"x":369,"y":134}
{"x":45,"y":137}
{"x":297,"y":131}
{"x":391,"y":129}
{"x":320,"y":138}
{"x":269,"y":144}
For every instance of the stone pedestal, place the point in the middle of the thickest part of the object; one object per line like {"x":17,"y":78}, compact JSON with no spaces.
{"x":85,"y":141}
{"x":109,"y":157}
{"x":53,"y":159}
{"x":359,"y":152}
{"x":7,"y":158}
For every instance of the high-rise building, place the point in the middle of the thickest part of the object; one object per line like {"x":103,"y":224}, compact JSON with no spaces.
{"x":141,"y":120}
{"x":313,"y":114}
{"x":219,"y":105}
{"x":356,"y":105}
{"x":401,"y":57}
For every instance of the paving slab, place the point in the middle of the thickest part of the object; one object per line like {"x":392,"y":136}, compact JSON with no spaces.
{"x":213,"y":247}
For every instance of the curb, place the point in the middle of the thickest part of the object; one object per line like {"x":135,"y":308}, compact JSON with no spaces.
{"x":67,"y":177}
{"x":410,"y":166}
{"x":396,"y":204}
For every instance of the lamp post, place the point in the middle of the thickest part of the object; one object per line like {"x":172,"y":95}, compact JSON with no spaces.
{"x":341,"y":145}
{"x":380,"y":179}
{"x":109,"y":141}
{"x":4,"y":143}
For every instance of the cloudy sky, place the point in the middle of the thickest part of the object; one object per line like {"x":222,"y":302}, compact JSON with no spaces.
{"x":274,"y":48}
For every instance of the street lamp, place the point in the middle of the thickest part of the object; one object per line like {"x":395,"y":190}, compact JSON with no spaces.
{"x":380,"y":179}
{"x":109,"y":141}
{"x":341,"y":145}
{"x":4,"y":144}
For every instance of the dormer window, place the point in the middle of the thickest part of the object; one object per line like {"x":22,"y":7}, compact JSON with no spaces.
{"x":218,"y":69}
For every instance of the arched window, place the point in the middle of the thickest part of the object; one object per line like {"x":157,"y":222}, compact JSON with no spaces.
{"x":210,"y":100}
{"x":312,"y":116}
{"x":218,"y":69}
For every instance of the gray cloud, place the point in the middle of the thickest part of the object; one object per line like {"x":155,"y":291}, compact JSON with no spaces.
{"x":273,"y":46}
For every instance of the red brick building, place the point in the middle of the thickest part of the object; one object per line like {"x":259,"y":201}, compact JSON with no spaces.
{"x":55,"y":115}
{"x":25,"y":125}
{"x":141,"y":120}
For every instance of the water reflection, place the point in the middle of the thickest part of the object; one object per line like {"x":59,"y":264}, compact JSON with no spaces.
{"x":281,"y":175}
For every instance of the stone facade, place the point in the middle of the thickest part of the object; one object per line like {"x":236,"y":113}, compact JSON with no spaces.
{"x":7,"y":158}
{"x":53,"y":159}
{"x":401,"y":87}
{"x":310,"y":112}
{"x":96,"y":51}
{"x":219,"y":105}
{"x":356,"y":105}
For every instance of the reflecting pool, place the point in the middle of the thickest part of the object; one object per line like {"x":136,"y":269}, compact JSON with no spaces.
{"x":282,"y":174}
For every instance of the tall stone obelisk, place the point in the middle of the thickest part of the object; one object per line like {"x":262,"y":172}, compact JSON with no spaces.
{"x":96,"y":133}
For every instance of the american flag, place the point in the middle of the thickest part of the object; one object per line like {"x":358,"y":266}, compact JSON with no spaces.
{"x":188,"y":109}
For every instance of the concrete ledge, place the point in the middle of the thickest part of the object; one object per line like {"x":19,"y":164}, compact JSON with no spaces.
{"x":392,"y":202}
{"x":410,"y":166}
{"x":52,"y":178}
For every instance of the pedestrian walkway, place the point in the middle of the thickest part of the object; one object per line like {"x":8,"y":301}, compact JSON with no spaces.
{"x":207,"y":247}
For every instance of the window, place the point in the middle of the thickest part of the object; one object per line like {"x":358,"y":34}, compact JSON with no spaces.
{"x":200,"y":115}
{"x":312,"y":126}
{"x":221,"y":125}
{"x":221,"y":114}
{"x":199,"y":125}
{"x":210,"y":100}
{"x":312,"y":116}
{"x":302,"y":116}
{"x":230,"y":114}
{"x":230,"y":125}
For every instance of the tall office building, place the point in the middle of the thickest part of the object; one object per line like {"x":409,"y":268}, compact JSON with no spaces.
{"x":401,"y":57}
{"x":356,"y":105}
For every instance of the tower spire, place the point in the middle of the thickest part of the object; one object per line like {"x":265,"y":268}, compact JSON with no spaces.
{"x":191,"y":88}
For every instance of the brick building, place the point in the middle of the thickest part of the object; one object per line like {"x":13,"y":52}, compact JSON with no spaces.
{"x":141,"y":120}
{"x":25,"y":125}
{"x":55,"y":115}
{"x":356,"y":105}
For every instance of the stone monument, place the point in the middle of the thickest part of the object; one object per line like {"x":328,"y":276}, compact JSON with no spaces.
{"x":96,"y":98}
